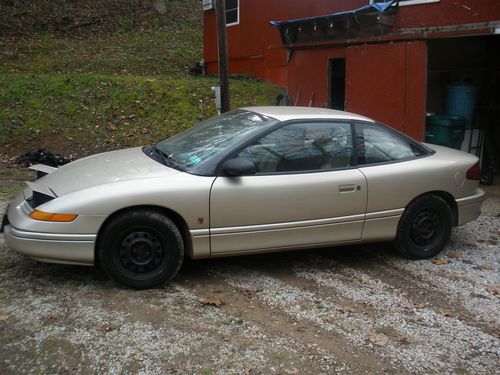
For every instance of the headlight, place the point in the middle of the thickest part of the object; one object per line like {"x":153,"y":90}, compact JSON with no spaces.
{"x":47,"y":216}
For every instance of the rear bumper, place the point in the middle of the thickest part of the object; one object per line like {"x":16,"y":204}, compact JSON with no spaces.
{"x":469,"y":208}
{"x":52,"y":247}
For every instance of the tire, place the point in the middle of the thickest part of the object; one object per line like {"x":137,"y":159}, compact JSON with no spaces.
{"x":141,"y":249}
{"x":424,"y":228}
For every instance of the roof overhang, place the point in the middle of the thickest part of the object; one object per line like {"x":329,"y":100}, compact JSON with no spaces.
{"x":373,"y":19}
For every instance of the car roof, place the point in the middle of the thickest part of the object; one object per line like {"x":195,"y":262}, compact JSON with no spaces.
{"x":298,"y":113}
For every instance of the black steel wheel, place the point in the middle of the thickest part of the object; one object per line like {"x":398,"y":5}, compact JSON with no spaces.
{"x":140,"y":249}
{"x":424,"y":228}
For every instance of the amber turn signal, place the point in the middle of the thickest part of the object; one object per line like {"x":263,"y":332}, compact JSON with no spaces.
{"x":46,"y":216}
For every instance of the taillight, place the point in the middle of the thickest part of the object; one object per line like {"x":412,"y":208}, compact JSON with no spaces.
{"x":474,"y":172}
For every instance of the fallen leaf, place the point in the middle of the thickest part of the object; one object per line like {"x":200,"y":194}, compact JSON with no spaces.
{"x":4,"y":317}
{"x":212,"y":301}
{"x":486,"y":266}
{"x":440,"y":261}
{"x":494,"y":290}
{"x":106,"y":327}
{"x":402,"y":339}
{"x":346,"y":310}
{"x":453,"y":254}
{"x":378,"y":339}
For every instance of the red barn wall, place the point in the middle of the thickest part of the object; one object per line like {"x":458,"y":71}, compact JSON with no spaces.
{"x":255,"y":46}
{"x":388,"y":83}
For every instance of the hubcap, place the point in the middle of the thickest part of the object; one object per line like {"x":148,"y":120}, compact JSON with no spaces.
{"x":141,"y":252}
{"x":425,"y":227}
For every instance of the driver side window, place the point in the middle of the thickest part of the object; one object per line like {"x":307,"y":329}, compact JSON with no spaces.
{"x":302,"y":148}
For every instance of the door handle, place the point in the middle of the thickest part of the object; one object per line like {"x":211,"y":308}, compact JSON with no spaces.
{"x":346,"y":188}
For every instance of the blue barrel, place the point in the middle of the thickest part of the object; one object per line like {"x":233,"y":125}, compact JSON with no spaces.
{"x":461,"y":101}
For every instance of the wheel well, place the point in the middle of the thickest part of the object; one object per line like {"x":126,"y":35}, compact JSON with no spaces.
{"x":172,"y":215}
{"x":448,"y":198}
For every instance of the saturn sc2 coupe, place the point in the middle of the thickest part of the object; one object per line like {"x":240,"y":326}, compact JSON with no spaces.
{"x":253,"y":180}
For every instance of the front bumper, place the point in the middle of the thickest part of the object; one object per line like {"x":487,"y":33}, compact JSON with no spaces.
{"x":52,"y":247}
{"x":469,"y":208}
{"x":70,"y":243}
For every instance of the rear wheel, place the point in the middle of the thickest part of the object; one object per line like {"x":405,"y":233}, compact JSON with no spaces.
{"x":141,"y":249}
{"x":424,"y":228}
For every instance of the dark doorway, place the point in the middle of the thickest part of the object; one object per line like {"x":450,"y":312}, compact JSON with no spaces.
{"x":337,"y":84}
{"x":472,"y":63}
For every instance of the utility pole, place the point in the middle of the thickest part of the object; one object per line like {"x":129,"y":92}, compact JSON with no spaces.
{"x":220,"y":8}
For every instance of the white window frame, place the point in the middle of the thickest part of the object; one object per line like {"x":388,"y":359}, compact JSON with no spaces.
{"x":238,"y":17}
{"x":403,"y":3}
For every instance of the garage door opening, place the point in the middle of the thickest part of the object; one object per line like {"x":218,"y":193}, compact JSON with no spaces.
{"x":464,"y":81}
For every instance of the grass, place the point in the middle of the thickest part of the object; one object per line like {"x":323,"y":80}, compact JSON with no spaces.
{"x":148,"y":52}
{"x":119,"y":82}
{"x":83,"y":113}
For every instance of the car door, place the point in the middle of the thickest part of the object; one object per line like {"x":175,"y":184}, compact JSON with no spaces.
{"x":306,"y":192}
{"x":391,"y":163}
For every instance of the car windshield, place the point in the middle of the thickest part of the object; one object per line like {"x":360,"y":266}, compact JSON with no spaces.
{"x":211,"y":138}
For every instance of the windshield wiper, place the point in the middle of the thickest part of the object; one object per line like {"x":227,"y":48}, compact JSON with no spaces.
{"x":162,"y":154}
{"x":167,"y":158}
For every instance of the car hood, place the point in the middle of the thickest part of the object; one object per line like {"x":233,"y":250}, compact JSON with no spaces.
{"x":105,"y":168}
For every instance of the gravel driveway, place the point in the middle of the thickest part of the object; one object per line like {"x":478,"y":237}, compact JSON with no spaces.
{"x":348,"y":310}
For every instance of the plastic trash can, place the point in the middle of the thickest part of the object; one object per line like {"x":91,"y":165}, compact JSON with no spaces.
{"x":446,"y":131}
{"x":461,"y":101}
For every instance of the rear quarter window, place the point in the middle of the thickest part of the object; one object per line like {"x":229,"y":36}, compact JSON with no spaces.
{"x":377,"y":144}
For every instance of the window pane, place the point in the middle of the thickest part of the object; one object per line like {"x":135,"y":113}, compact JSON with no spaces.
{"x":231,"y":4}
{"x":378,"y":145}
{"x":232,"y":16}
{"x":302,"y":147}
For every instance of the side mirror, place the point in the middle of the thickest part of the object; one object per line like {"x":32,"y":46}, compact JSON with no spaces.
{"x":239,"y":167}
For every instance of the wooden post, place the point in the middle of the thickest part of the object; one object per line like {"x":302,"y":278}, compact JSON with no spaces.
{"x":220,"y":7}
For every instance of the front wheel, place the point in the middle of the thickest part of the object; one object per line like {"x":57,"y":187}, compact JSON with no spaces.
{"x":424,"y":228}
{"x":141,"y":249}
